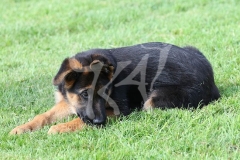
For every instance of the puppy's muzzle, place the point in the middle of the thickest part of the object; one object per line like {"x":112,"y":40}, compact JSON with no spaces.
{"x":95,"y":121}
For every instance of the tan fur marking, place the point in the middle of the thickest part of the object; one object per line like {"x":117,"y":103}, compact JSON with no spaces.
{"x":148,"y":105}
{"x":73,"y":98}
{"x":75,"y":64}
{"x":69,"y":84}
{"x":111,"y":70}
{"x":74,"y":101}
{"x":86,"y":69}
{"x":85,"y":73}
{"x":58,"y":97}
{"x":59,"y":111}
{"x":72,"y":126}
{"x":87,"y":87}
{"x":61,"y":77}
{"x":110,"y":112}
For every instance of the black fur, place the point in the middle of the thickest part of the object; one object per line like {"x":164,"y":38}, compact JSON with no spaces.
{"x":186,"y":80}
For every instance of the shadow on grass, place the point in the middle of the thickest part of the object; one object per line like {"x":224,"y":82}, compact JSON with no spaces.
{"x":229,"y":90}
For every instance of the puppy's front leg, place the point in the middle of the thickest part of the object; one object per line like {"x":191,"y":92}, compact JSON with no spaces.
{"x":75,"y":125}
{"x":59,"y":111}
{"x":71,"y":126}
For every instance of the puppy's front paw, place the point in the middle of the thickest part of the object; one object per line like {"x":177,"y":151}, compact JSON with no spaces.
{"x":60,"y":128}
{"x":71,"y":126}
{"x":20,"y":130}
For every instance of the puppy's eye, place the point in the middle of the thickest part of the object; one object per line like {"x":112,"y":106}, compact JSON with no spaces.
{"x":84,"y":94}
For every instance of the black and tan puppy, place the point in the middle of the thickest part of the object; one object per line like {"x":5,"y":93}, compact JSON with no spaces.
{"x":105,"y":82}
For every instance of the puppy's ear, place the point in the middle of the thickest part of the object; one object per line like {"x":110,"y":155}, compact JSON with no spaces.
{"x":67,"y":71}
{"x":107,"y":69}
{"x":75,"y":65}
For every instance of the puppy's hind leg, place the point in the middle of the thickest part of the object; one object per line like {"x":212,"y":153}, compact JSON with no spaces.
{"x":162,"y":99}
{"x":148,"y":104}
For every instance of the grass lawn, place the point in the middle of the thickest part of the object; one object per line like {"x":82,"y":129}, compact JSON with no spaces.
{"x":37,"y":35}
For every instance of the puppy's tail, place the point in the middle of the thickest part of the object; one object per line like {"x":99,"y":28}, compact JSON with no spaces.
{"x":193,"y":50}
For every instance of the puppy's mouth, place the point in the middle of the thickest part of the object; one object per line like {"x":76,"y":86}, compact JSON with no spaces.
{"x":85,"y":118}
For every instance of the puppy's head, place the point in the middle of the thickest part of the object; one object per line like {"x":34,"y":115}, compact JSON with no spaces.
{"x":81,"y":80}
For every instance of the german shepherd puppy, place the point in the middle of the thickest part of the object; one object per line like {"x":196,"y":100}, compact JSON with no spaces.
{"x":98,"y":83}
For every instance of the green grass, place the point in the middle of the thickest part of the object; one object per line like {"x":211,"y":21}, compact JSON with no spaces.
{"x":37,"y":35}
